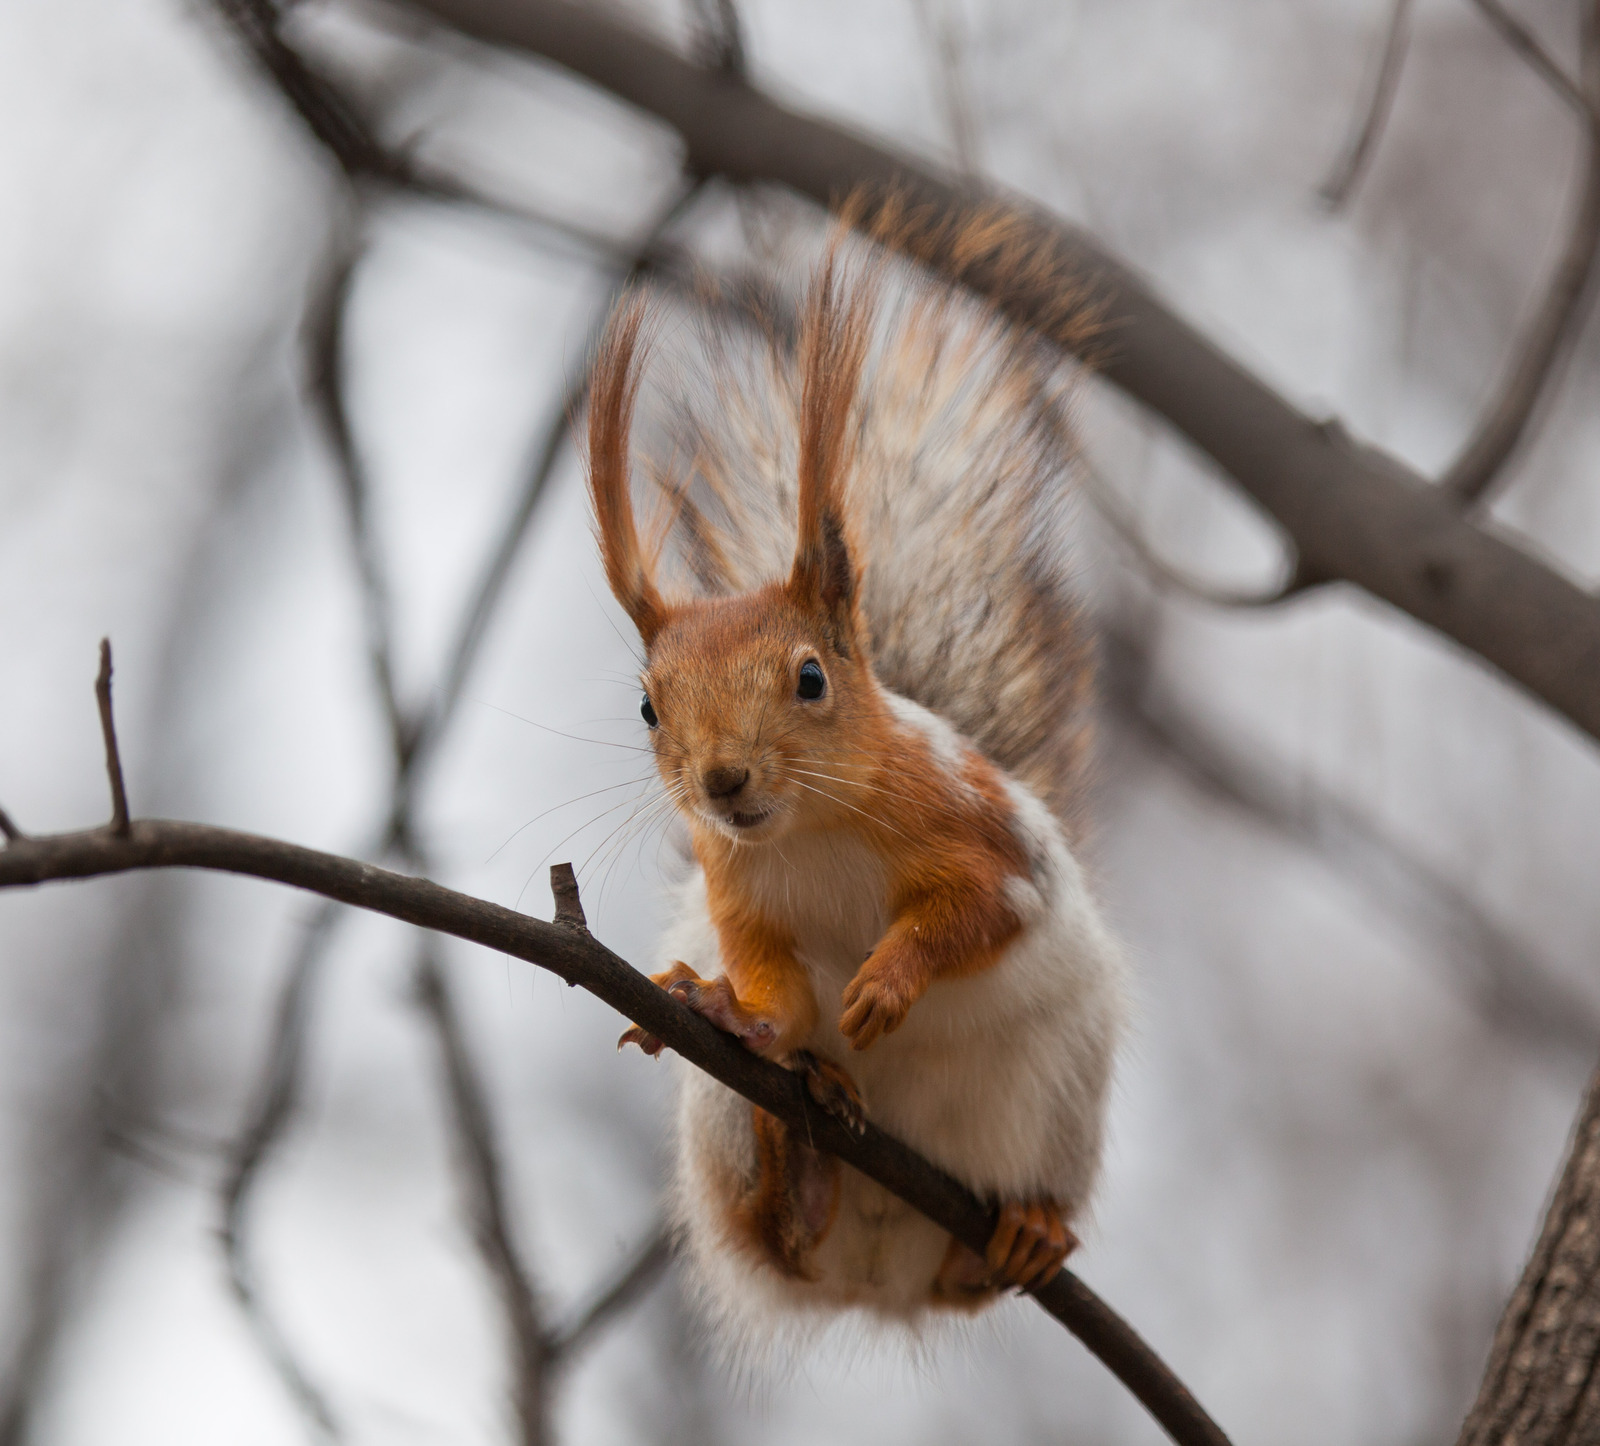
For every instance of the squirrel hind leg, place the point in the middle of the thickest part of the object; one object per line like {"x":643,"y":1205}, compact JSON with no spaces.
{"x":793,"y":1201}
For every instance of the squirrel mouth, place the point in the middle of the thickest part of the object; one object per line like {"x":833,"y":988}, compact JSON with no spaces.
{"x":748,"y":820}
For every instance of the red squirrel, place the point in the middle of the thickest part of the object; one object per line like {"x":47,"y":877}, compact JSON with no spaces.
{"x":871,"y":709}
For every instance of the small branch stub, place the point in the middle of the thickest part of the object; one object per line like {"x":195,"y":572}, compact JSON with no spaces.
{"x":108,"y":728}
{"x":569,"y":907}
{"x":9,"y":829}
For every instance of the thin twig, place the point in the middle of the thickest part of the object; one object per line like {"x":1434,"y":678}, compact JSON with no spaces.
{"x":569,"y":907}
{"x":632,"y":1281}
{"x":108,"y":731}
{"x":8,"y":828}
{"x":1531,"y":49}
{"x":324,"y":347}
{"x":350,"y":141}
{"x":1548,"y":338}
{"x":483,"y":1177}
{"x":578,"y":958}
{"x":276,"y":1098}
{"x":1363,"y":142}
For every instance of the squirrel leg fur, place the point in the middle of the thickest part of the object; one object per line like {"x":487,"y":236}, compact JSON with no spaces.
{"x":793,"y":1200}
{"x":957,"y":927}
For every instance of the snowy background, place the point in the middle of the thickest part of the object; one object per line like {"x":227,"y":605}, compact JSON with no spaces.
{"x":1355,"y":871}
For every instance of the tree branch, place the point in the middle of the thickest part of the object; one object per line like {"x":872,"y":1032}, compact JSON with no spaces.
{"x":1527,"y":45}
{"x":1555,"y":324}
{"x":577,"y":957}
{"x":108,"y":730}
{"x":632,"y":1281}
{"x":1354,"y":514}
{"x":1352,"y":165}
{"x":473,"y":1134}
{"x":1542,"y":1384}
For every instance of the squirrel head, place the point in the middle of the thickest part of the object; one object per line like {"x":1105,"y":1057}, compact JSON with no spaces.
{"x":761,"y":706}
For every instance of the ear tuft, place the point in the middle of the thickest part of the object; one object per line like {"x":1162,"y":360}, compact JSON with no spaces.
{"x":613,"y":388}
{"x":833,"y":346}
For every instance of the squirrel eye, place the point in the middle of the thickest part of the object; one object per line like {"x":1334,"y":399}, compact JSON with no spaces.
{"x":647,"y":712}
{"x":812,"y":684}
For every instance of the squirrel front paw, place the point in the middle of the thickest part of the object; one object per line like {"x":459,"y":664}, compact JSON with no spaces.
{"x":637,"y":1033}
{"x":878,"y":999}
{"x":715,"y":1000}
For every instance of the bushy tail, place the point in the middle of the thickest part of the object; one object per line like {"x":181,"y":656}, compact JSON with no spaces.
{"x":959,"y":504}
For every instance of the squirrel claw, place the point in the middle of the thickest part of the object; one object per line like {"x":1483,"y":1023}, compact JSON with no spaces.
{"x":833,"y":1089}
{"x":1029,"y":1244}
{"x":637,"y":1034}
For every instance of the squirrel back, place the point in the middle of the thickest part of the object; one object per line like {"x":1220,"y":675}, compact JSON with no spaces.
{"x":960,"y":505}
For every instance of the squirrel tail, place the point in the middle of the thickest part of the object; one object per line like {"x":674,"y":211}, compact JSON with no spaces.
{"x":959,"y":503}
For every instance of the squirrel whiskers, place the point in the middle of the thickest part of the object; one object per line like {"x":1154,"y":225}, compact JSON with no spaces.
{"x":871,"y":709}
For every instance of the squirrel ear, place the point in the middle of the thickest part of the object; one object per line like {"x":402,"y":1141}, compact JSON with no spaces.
{"x":612,"y":390}
{"x":833,"y":343}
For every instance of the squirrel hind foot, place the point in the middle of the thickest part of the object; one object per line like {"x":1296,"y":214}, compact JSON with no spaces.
{"x":1030,"y":1243}
{"x":832,"y":1088}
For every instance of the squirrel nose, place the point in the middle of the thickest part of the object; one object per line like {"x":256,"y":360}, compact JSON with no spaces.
{"x":724,"y":782}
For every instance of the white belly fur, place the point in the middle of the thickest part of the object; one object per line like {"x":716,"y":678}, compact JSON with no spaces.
{"x":1000,"y":1078}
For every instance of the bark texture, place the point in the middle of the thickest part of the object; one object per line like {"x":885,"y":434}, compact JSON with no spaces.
{"x":1542,"y":1387}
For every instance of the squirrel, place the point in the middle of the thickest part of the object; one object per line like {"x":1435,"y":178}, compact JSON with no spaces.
{"x":870,"y":703}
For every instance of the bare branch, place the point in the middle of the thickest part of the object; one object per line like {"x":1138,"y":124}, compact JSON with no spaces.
{"x":1528,"y":46}
{"x":1359,"y":150}
{"x":580,"y":959}
{"x":1353,"y":513}
{"x":479,"y":1157}
{"x":108,"y":730}
{"x":338,"y":125}
{"x":1550,"y":334}
{"x":277,"y":1096}
{"x":1542,"y":1384}
{"x":569,"y":907}
{"x":8,"y":828}
{"x":646,"y":1267}
{"x":324,"y":345}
